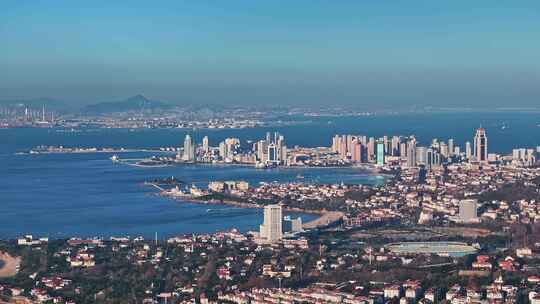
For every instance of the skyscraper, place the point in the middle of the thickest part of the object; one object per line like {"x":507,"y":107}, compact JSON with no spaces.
{"x":403,"y":150}
{"x":228,"y":149}
{"x":189,"y":149}
{"x":363,"y":140}
{"x":411,"y":153}
{"x":395,"y":145}
{"x":350,"y":139}
{"x":205,"y":145}
{"x":371,"y":149}
{"x":271,"y":229}
{"x":336,"y":143}
{"x":262,"y":146}
{"x":444,"y":150}
{"x":481,"y":146}
{"x":273,"y":154}
{"x":223,"y":150}
{"x":429,"y":158}
{"x":284,"y":156}
{"x":356,"y":153}
{"x":343,"y":147}
{"x":380,"y":152}
{"x":435,"y":160}
{"x":275,"y":149}
{"x":468,"y":150}
{"x":421,"y":155}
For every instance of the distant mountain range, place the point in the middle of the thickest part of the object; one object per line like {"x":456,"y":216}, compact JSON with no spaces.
{"x":134,"y":103}
{"x":38,"y":103}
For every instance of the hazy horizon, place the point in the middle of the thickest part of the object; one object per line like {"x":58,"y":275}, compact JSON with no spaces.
{"x":456,"y":54}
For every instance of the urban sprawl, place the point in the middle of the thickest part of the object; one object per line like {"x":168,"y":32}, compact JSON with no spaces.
{"x":449,"y":225}
{"x":386,"y":152}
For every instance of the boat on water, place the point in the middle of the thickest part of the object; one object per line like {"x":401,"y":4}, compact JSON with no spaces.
{"x":115,"y":158}
{"x":300,"y":176}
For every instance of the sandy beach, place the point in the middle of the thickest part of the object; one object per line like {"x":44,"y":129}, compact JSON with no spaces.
{"x":326,"y":218}
{"x":9,"y":265}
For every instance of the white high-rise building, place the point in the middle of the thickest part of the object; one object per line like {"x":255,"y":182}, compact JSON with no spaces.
{"x":189,"y":149}
{"x":228,"y":149}
{"x":468,"y":210}
{"x":205,"y":144}
{"x":262,"y":146}
{"x":336,"y":143}
{"x":403,"y":150}
{"x":222,"y":150}
{"x":272,"y":228}
{"x":444,"y":150}
{"x":421,"y":155}
{"x":395,"y":146}
{"x":451,"y":147}
{"x":468,"y":151}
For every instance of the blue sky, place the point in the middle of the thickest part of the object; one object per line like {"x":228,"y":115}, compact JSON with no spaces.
{"x":453,"y":53}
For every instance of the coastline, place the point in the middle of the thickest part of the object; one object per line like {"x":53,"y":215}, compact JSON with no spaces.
{"x":80,"y":150}
{"x":365,"y":167}
{"x":325,"y":217}
{"x":10,"y":265}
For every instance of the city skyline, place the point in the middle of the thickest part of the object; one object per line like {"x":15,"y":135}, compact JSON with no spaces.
{"x":370,"y":202}
{"x":349,"y":149}
{"x":263,"y":152}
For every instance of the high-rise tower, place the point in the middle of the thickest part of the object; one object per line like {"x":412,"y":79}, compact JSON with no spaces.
{"x":275,"y":149}
{"x":380,"y":152}
{"x":205,"y":144}
{"x":481,"y":146}
{"x":189,"y":149}
{"x":411,"y":153}
{"x":451,"y":147}
{"x":356,"y":153}
{"x":468,"y":151}
{"x":272,"y":229}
